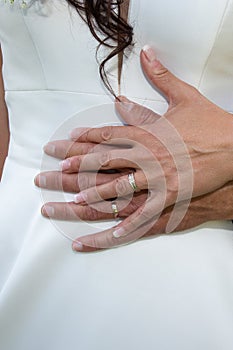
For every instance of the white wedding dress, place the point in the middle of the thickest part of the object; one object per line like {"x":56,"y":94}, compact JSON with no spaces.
{"x":165,"y":293}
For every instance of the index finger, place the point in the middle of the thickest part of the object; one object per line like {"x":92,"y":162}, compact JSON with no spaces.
{"x":104,"y":134}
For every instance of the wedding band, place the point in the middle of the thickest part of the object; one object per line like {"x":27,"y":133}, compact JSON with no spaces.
{"x":132,"y":181}
{"x":115,"y":210}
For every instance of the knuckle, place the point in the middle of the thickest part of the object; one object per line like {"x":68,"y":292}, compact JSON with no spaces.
{"x":161,"y":73}
{"x":93,"y":242}
{"x":194,"y":93}
{"x":68,"y":150}
{"x":104,"y":159}
{"x":64,"y":183}
{"x":110,"y":241}
{"x":146,"y":213}
{"x":101,"y":241}
{"x":146,"y":114}
{"x":86,"y":135}
{"x":67,"y":212}
{"x":106,"y":134}
{"x":88,"y":149}
{"x":134,"y":206}
{"x":129,"y":209}
{"x":122,"y":186}
{"x":83,"y":182}
{"x":57,"y":181}
{"x":194,"y":90}
{"x":91,"y":214}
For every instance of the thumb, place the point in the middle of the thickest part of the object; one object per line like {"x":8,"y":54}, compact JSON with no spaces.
{"x":174,"y":89}
{"x":133,"y":113}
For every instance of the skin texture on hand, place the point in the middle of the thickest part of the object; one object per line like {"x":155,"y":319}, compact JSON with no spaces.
{"x":185,"y":153}
{"x":216,"y":205}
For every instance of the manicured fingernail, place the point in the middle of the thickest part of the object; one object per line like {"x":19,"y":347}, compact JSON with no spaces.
{"x":80,"y":197}
{"x":118,"y":233}
{"x":150,"y":53}
{"x":49,"y":148}
{"x":47,"y":210}
{"x":41,"y":179}
{"x":65,"y":164}
{"x":77,"y":246}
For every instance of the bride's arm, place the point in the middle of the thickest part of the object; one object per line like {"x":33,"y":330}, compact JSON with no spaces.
{"x":4,"y":127}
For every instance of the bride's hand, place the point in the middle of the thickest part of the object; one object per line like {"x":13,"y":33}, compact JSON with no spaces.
{"x":183,"y":154}
{"x":216,"y":205}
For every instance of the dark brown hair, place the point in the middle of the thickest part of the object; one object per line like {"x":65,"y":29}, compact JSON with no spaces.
{"x":108,"y":26}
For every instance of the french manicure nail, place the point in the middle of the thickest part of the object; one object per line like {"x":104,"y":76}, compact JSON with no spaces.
{"x":150,"y":53}
{"x":118,"y":232}
{"x":41,"y":180}
{"x":65,"y":164}
{"x":49,"y":148}
{"x":79,"y":198}
{"x":77,"y":246}
{"x":48,"y":210}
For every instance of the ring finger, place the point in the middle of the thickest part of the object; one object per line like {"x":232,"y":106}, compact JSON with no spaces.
{"x":98,"y":211}
{"x":56,"y":180}
{"x":119,"y":187}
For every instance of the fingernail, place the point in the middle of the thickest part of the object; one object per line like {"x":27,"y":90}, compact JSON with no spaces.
{"x":80,"y":197}
{"x":150,"y":53}
{"x":77,"y":246}
{"x":41,"y":179}
{"x":65,"y":164}
{"x":47,"y":210}
{"x":49,"y":148}
{"x":118,"y":233}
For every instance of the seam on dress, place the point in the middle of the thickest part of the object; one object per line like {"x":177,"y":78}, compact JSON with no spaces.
{"x":35,"y":47}
{"x":54,"y":90}
{"x":213,"y":45}
{"x":80,"y":93}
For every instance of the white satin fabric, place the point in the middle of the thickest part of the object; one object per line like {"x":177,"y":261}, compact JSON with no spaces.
{"x":170,"y":292}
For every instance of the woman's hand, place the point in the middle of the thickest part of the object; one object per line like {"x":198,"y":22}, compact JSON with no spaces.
{"x":212,"y":206}
{"x":216,"y":205}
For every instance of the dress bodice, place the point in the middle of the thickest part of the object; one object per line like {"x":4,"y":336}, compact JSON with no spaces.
{"x":169,"y":292}
{"x":46,"y":46}
{"x":50,"y":70}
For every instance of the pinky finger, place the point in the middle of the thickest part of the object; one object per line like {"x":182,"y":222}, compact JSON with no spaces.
{"x":106,"y":240}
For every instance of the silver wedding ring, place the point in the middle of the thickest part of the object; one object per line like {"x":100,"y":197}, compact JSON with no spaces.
{"x":132,"y":182}
{"x":115,"y":210}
